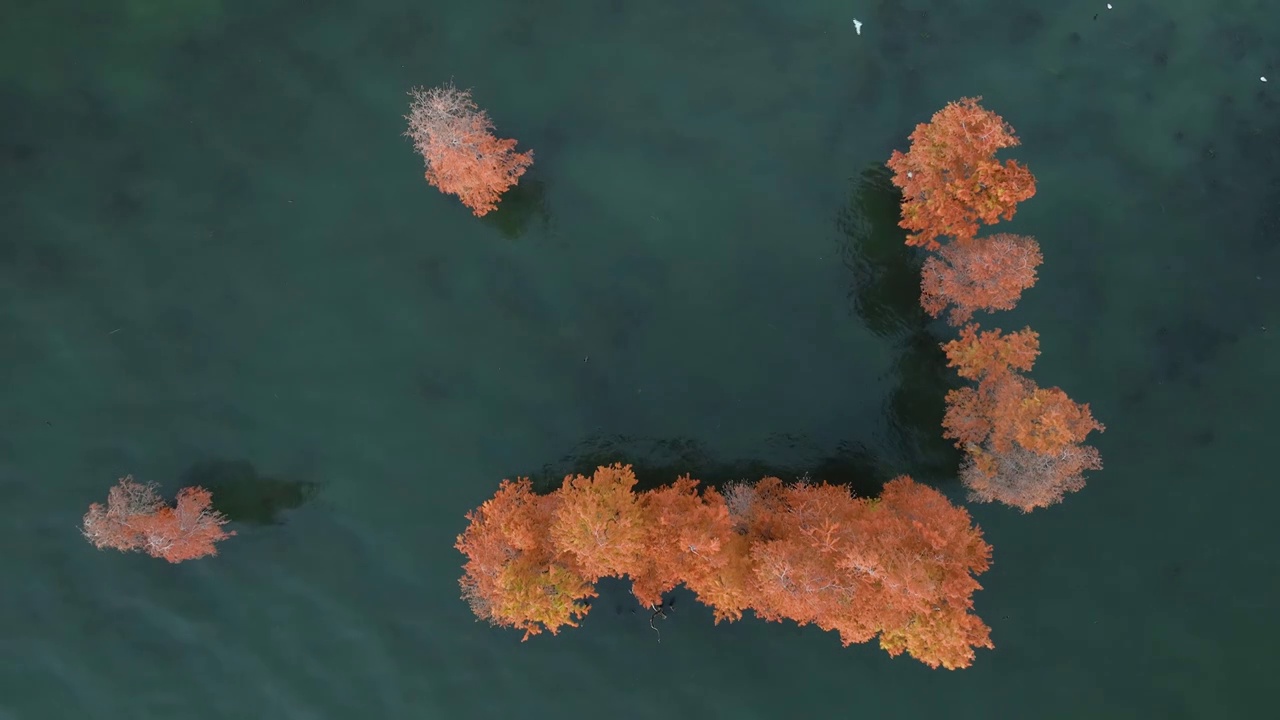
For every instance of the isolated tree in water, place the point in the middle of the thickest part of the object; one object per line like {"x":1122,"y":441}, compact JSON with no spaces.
{"x":463,"y":156}
{"x":950,"y":179}
{"x":135,"y":518}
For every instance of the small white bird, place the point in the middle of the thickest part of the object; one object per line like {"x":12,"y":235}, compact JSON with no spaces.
{"x":857,"y":25}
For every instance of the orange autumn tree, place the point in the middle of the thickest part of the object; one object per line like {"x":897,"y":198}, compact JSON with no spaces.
{"x":514,"y":576}
{"x":986,"y":273}
{"x":900,"y":567}
{"x":935,"y":556}
{"x":690,"y":540}
{"x":598,"y":523}
{"x":1024,"y":442}
{"x":463,"y":156}
{"x":950,"y":178}
{"x":976,"y":355}
{"x":135,"y":518}
{"x":799,"y":537}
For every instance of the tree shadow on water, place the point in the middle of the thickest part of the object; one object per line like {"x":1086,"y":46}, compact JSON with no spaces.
{"x":243,"y":495}
{"x":519,"y":207}
{"x":885,"y":272}
{"x":659,"y":461}
{"x":915,"y":409}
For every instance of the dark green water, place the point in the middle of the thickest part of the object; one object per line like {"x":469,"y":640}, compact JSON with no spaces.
{"x":219,"y":263}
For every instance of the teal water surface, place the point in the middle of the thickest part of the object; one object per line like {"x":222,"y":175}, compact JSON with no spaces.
{"x":219,"y":263}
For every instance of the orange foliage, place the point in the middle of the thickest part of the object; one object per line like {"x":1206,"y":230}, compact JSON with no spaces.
{"x":185,"y":532}
{"x":135,"y":518}
{"x":977,"y":355}
{"x":724,"y":582}
{"x":987,"y":273}
{"x":463,"y":156}
{"x":1010,"y":408}
{"x":112,"y":526}
{"x":888,"y":567}
{"x":940,"y":551}
{"x":797,"y":560}
{"x":967,"y":419}
{"x":1041,"y":420}
{"x":689,"y":539}
{"x":598,"y":522}
{"x":899,"y":567}
{"x":1027,"y":480}
{"x":950,"y":178}
{"x":1024,"y":441}
{"x":514,"y":576}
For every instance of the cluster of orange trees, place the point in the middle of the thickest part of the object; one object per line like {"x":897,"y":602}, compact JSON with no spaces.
{"x":1023,"y":442}
{"x":135,"y":518}
{"x":899,"y":567}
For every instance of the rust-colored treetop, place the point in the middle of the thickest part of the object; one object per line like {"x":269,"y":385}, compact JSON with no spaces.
{"x":985,"y":273}
{"x":1010,"y":408}
{"x":900,"y":567}
{"x":1024,"y":442}
{"x":135,"y":518}
{"x":1027,"y":480}
{"x":463,"y":156}
{"x":976,"y":355}
{"x":598,"y":523}
{"x":514,"y":576}
{"x":950,"y":178}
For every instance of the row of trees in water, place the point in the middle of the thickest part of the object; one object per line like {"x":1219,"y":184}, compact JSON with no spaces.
{"x":1023,"y":443}
{"x":900,"y":567}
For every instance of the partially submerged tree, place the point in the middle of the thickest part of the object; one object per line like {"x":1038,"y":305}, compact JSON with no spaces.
{"x":462,"y":154}
{"x":135,"y":518}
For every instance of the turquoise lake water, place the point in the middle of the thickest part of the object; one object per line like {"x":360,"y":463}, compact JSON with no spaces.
{"x":220,"y":264}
